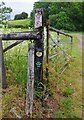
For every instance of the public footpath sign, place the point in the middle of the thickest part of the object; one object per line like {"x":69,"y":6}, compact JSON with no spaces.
{"x":39,"y":47}
{"x":38,"y":19}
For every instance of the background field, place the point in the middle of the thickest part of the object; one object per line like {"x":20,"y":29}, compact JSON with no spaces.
{"x":25,"y":23}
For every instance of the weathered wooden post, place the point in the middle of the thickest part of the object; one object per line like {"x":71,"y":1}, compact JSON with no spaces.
{"x":30,"y":82}
{"x":1,"y":63}
{"x":39,"y":47}
{"x":47,"y":52}
{"x":0,"y":78}
{"x":2,"y":67}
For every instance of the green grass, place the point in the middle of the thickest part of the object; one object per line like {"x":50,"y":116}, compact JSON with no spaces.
{"x":66,"y":108}
{"x":70,"y":85}
{"x":13,"y":97}
{"x":8,"y":30}
{"x":25,"y":23}
{"x":16,"y":62}
{"x":68,"y":91}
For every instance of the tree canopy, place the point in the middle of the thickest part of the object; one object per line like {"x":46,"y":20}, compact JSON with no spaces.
{"x":4,"y":12}
{"x":62,"y":15}
{"x":23,"y":15}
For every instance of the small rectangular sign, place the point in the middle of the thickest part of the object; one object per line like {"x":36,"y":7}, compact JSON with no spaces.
{"x":38,"y":20}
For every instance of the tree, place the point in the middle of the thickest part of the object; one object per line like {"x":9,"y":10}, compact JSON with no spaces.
{"x":76,"y":15}
{"x":23,"y":15}
{"x":4,"y":13}
{"x":61,"y":21}
{"x":63,"y":15}
{"x":73,"y":10}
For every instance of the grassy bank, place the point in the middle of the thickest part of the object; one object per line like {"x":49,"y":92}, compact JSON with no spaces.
{"x":25,"y":23}
{"x":70,"y":86}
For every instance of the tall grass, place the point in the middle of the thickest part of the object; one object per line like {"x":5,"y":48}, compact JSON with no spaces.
{"x":16,"y":61}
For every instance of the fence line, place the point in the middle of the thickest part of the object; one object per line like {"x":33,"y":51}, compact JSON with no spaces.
{"x":58,"y":43}
{"x":2,"y":67}
{"x":12,"y":45}
{"x":21,"y":36}
{"x":59,"y":31}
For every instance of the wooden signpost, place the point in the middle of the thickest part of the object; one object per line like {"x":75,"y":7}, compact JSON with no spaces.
{"x":39,"y":47}
{"x":38,"y":18}
{"x":30,"y":82}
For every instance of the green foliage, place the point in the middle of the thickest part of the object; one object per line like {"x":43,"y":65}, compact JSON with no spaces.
{"x":66,"y":109}
{"x":61,"y":21}
{"x":62,"y":15}
{"x":4,"y":13}
{"x":23,"y":15}
{"x":66,"y":103}
{"x":59,"y":114}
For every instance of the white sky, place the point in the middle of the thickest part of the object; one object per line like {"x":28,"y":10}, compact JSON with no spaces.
{"x":19,"y":6}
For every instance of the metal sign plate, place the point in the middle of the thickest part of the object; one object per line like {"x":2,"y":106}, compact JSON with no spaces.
{"x":38,"y":20}
{"x":39,"y":54}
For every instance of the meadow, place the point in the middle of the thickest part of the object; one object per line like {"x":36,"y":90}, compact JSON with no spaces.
{"x":25,"y":23}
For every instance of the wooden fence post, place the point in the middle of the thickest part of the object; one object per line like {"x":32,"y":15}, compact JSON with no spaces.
{"x":47,"y":54}
{"x":2,"y":67}
{"x":30,"y":82}
{"x":0,"y":79}
{"x":1,"y":63}
{"x":71,"y":42}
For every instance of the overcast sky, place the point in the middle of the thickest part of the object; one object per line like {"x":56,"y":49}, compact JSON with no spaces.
{"x":19,"y":6}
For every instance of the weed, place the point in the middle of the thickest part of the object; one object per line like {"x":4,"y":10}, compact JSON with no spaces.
{"x":59,"y":114}
{"x":68,"y":91}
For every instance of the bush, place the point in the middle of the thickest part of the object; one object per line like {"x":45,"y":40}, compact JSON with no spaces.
{"x":61,"y":21}
{"x":23,"y":15}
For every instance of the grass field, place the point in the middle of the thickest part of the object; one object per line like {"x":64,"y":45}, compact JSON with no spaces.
{"x":66,"y":91}
{"x":25,"y":23}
